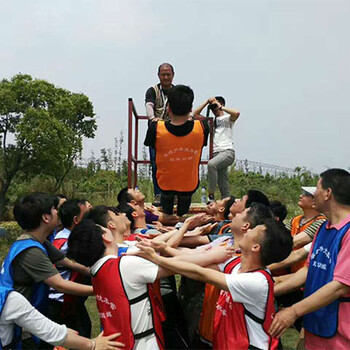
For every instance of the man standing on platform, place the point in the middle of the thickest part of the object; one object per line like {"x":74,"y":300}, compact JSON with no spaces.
{"x":156,"y":109}
{"x":178,"y":143}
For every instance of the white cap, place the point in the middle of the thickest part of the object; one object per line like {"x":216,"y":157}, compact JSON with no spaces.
{"x":311,"y":190}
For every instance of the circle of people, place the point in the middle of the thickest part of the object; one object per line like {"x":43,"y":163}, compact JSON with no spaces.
{"x":239,"y":262}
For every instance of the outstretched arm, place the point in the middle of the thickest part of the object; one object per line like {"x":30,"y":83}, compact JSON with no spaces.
{"x":187,"y":269}
{"x":75,"y":341}
{"x":294,"y":256}
{"x":321,"y":298}
{"x":73,"y":265}
{"x":69,"y":287}
{"x":18,"y":310}
{"x":301,"y":239}
{"x":294,"y":282}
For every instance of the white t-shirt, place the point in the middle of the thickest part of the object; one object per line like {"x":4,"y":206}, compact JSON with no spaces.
{"x":223,"y":134}
{"x":18,"y":310}
{"x":136,"y":272}
{"x":251,"y":289}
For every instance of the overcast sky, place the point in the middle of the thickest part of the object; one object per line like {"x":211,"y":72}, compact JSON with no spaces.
{"x":284,"y":64}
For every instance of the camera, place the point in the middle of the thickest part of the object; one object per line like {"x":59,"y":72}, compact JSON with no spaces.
{"x":213,"y":106}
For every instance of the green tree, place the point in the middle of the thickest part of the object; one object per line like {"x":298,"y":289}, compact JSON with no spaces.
{"x":41,"y":130}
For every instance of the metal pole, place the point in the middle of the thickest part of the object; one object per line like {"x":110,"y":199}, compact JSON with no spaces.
{"x":136,"y":148}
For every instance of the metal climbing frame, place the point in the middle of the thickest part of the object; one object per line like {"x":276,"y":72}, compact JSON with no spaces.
{"x":133,"y":134}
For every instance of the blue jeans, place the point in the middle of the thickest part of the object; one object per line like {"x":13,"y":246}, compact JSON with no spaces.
{"x":152,"y":157}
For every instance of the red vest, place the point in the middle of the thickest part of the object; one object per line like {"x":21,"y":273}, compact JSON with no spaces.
{"x":114,"y":306}
{"x":178,"y":157}
{"x":230,"y":329}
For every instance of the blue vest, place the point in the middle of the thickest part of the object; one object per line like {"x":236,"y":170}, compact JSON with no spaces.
{"x":324,"y":322}
{"x":40,"y":292}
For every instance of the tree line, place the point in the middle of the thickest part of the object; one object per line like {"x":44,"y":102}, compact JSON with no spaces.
{"x":41,"y":132}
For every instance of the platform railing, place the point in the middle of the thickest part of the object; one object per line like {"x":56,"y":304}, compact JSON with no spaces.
{"x":133,"y":136}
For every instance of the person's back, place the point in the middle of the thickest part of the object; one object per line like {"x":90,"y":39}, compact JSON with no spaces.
{"x":126,"y":303}
{"x":178,"y":145}
{"x":127,"y":297}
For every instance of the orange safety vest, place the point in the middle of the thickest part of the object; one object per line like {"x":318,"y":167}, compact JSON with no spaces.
{"x":297,"y":228}
{"x":211,"y":296}
{"x":178,"y":157}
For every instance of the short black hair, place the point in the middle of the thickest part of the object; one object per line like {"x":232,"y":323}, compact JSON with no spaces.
{"x":85,"y":244}
{"x":279,"y":210}
{"x":221,"y":100}
{"x":29,"y":209}
{"x":166,"y":64}
{"x":277,"y":242}
{"x":256,"y":196}
{"x":115,"y":210}
{"x":180,"y":99}
{"x":228,"y":204}
{"x":258,"y":213}
{"x":124,"y":196}
{"x":68,"y":210}
{"x":338,"y":180}
{"x":128,"y":210}
{"x":99,"y":215}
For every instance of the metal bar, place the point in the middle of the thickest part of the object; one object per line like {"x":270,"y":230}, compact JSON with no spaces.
{"x":136,"y":148}
{"x":211,"y":138}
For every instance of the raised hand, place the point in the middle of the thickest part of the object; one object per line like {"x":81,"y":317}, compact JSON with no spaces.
{"x":197,"y":220}
{"x":222,"y":252}
{"x":145,"y":251}
{"x":153,"y":209}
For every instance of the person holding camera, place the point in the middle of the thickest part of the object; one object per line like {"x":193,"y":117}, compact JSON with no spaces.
{"x":224,"y":154}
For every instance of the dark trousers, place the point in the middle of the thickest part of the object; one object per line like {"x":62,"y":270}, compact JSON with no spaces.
{"x":183,"y":202}
{"x":174,"y":327}
{"x":79,"y":321}
{"x":152,"y":157}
